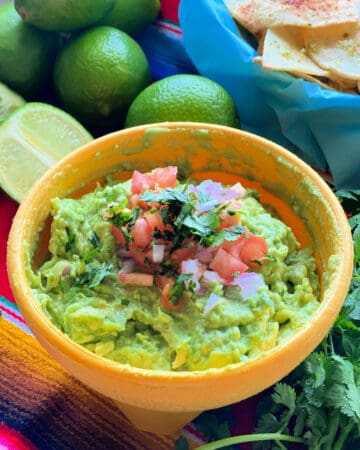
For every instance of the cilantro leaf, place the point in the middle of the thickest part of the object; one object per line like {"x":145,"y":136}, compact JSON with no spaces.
{"x":70,"y":244}
{"x":356,"y":237}
{"x":342,"y":391}
{"x":178,"y":288}
{"x":165,"y":196}
{"x":94,"y":240}
{"x":218,"y":237}
{"x":202,"y":225}
{"x":94,"y":275}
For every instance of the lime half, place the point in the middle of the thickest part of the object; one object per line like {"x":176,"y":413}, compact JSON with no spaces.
{"x":9,"y":101}
{"x":33,"y":138}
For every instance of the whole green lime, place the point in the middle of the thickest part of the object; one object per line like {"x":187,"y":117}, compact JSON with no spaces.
{"x":98,"y":74}
{"x":190,"y":98}
{"x":26,"y":54}
{"x":62,"y":15}
{"x":131,"y":16}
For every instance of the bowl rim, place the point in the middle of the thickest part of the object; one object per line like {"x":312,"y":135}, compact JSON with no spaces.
{"x":34,"y":314}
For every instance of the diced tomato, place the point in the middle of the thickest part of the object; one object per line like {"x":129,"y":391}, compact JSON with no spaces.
{"x":141,"y":182}
{"x":180,"y":254}
{"x":230,"y":220}
{"x":226,"y":265}
{"x":205,"y":255}
{"x":139,"y":279}
{"x":118,"y":235}
{"x":165,"y":285}
{"x":162,"y":281}
{"x":154,"y":220}
{"x":141,"y":233}
{"x":142,"y":258}
{"x":233,"y":247}
{"x":165,"y":176}
{"x":135,"y":201}
{"x":253,"y":249}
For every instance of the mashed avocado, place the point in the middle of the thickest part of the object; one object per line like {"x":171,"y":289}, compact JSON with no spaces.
{"x":210,"y":322}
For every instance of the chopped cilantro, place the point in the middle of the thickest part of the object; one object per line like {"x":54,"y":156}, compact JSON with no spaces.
{"x":70,"y":244}
{"x":90,"y":254}
{"x":218,"y":237}
{"x":94,"y":240}
{"x":124,"y":217}
{"x":178,"y":288}
{"x":94,"y":275}
{"x":181,"y":213}
{"x":167,"y":196}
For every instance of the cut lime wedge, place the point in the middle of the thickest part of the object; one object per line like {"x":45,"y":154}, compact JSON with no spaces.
{"x":9,"y":101}
{"x":32,"y":139}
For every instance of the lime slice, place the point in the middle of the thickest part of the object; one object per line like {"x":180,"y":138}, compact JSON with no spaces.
{"x":9,"y":101}
{"x":32,"y":139}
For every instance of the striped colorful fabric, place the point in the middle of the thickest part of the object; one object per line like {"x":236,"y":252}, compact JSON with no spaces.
{"x":53,"y":410}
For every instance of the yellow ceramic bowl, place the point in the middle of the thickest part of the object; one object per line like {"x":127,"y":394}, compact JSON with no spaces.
{"x":163,"y":401}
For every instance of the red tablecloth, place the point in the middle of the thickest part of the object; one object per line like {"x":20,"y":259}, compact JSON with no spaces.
{"x":7,"y":211}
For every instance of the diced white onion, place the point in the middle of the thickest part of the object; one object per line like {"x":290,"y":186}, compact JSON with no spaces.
{"x":207,"y":206}
{"x":196,"y":269}
{"x":213,"y":301}
{"x":158,"y":252}
{"x":210,"y":276}
{"x":249,"y":283}
{"x":128,"y":265}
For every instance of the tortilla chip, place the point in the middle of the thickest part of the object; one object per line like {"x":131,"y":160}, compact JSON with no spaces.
{"x":337,"y":50}
{"x":341,"y":88}
{"x":345,"y":84}
{"x":323,"y":82}
{"x":284,"y":50}
{"x":256,"y":15}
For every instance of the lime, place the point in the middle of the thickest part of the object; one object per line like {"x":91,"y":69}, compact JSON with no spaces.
{"x":98,"y":74}
{"x":32,"y":139}
{"x":190,"y":98}
{"x":62,"y":15}
{"x":131,"y":16}
{"x":26,"y":53}
{"x":9,"y":101}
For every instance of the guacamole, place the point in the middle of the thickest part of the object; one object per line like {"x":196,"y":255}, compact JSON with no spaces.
{"x":165,"y":275}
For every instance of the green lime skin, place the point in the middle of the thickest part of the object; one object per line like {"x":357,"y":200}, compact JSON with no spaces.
{"x":9,"y":101}
{"x":189,"y":98}
{"x":131,"y":16}
{"x":98,"y":74}
{"x":62,"y":15}
{"x":26,"y":54}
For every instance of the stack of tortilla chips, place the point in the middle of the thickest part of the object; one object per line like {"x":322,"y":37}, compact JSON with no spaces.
{"x":318,"y":40}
